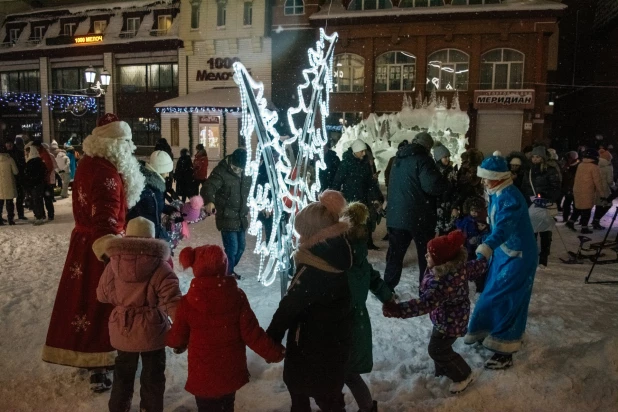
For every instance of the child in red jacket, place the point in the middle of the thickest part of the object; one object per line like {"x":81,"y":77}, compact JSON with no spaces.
{"x":215,"y":321}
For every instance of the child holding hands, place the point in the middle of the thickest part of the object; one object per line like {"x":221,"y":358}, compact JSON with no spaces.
{"x":215,"y":321}
{"x":444,"y":295}
{"x":142,"y":286}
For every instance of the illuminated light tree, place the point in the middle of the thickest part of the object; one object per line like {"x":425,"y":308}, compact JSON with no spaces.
{"x":288,"y":189}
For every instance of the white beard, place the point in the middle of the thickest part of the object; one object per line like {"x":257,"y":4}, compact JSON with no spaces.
{"x":120,"y":153}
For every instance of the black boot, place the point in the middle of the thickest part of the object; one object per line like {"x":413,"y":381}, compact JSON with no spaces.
{"x":374,"y":408}
{"x":596,"y":225}
{"x":499,"y":361}
{"x":586,"y":231}
{"x":571,"y":225}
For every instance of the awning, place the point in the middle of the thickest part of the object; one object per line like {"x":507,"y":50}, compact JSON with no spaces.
{"x":225,"y":99}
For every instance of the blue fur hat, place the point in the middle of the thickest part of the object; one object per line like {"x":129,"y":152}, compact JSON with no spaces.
{"x":494,"y":168}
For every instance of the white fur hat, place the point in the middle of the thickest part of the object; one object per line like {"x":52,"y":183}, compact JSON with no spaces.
{"x":140,"y":227}
{"x":358,"y":146}
{"x":161,"y":162}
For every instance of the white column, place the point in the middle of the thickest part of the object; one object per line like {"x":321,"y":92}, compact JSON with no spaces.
{"x":182,"y":72}
{"x":108,"y":64}
{"x":45,"y":110}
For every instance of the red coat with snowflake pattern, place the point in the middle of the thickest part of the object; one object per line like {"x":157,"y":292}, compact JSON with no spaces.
{"x":78,"y":334}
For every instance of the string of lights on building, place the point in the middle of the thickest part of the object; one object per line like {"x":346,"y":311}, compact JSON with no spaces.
{"x":61,"y":102}
{"x":197,"y":109}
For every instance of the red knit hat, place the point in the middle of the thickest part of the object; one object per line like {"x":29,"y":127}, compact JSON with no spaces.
{"x":445,"y":248}
{"x":207,"y":260}
{"x":107,"y":118}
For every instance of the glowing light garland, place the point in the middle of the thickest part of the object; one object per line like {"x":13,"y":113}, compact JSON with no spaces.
{"x":76,"y":104}
{"x":196,"y":109}
{"x":288,"y":190}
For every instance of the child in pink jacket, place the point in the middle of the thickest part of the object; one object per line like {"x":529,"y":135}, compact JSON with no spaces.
{"x":141,"y":285}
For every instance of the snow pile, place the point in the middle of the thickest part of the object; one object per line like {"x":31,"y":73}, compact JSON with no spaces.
{"x":383,"y":133}
{"x":569,"y":361}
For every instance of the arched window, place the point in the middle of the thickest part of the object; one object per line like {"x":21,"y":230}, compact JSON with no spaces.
{"x":448,"y":70}
{"x":294,"y":7}
{"x":395,"y":71}
{"x":420,"y":3}
{"x":348,"y":73}
{"x":370,"y":4}
{"x":474,"y":2}
{"x":502,"y":69}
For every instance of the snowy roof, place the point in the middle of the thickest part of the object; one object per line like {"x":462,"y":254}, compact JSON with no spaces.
{"x":337,"y":11}
{"x":91,"y":6}
{"x":219,"y":97}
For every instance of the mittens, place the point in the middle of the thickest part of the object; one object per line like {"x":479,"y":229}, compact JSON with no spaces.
{"x":391,"y":309}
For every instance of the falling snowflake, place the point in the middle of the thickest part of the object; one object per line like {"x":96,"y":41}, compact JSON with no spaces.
{"x":81,"y":197}
{"x":94,"y":210}
{"x":110,"y":184}
{"x":112,"y":221}
{"x":76,"y":271}
{"x":80,"y":323}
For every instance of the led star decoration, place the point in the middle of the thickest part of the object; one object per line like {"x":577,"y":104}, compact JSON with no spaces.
{"x":288,"y":189}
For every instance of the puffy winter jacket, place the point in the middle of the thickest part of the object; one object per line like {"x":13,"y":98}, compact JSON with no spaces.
{"x":8,"y":173}
{"x":444,"y":295}
{"x":568,"y":175}
{"x":229,"y":193}
{"x":50,"y":165}
{"x":215,"y":320}
{"x":183,"y":175}
{"x":36,"y":172}
{"x":63,"y":162}
{"x":607,"y":178}
{"x":20,"y":161}
{"x":588,"y":185}
{"x":541,"y":179}
{"x":414,"y":186}
{"x":316,"y":313}
{"x":354,"y":179}
{"x":332,"y":163}
{"x":200,"y":165}
{"x":151,"y":203}
{"x":144,"y":290}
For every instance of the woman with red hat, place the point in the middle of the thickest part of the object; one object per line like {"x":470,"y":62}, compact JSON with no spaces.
{"x":444,"y":295}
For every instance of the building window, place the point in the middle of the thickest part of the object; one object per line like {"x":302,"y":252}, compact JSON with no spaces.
{"x":502,"y":69}
{"x":294,"y":7}
{"x":370,"y":4}
{"x":69,"y":29}
{"x":247,"y":16}
{"x":448,"y":70}
{"x":195,"y":14}
{"x":145,"y":130}
{"x":221,"y":13}
{"x":151,"y":78}
{"x":70,"y":79}
{"x":100,"y":26}
{"x":38,"y":33}
{"x":133,"y":25}
{"x":421,"y":3}
{"x":164,"y":23}
{"x":474,"y":2}
{"x":14,"y":35}
{"x":20,"y":82}
{"x":175,"y":132}
{"x":395,"y":71}
{"x":349,"y":73}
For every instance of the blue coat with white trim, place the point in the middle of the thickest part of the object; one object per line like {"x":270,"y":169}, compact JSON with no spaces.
{"x":501,"y":312}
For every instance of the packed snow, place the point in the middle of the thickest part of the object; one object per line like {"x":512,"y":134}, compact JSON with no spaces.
{"x":569,"y":361}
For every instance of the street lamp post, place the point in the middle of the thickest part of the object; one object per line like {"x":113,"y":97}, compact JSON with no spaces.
{"x":99,"y":88}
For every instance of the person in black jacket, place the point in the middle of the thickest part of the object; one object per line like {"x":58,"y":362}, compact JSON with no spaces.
{"x":185,"y":186}
{"x":446,"y":220}
{"x":331,"y":161}
{"x":152,"y":199}
{"x":414,"y":186}
{"x":518,"y":164}
{"x":568,"y":180}
{"x":20,"y":160}
{"x":355,"y":180}
{"x":316,"y":309}
{"x":36,"y":182}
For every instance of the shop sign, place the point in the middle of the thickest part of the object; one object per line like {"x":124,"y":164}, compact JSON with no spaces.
{"x":209,"y":119}
{"x":504,"y":99}
{"x":216,"y":64}
{"x":97,"y":38}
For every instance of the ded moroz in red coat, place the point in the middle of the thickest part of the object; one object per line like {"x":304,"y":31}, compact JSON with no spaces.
{"x":215,"y":320}
{"x":78,"y":334}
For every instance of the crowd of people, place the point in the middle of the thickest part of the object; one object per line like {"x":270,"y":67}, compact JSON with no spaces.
{"x":119,"y":301}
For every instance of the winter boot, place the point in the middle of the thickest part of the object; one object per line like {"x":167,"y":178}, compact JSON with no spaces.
{"x":585,"y":230}
{"x":571,"y":225}
{"x":11,"y":222}
{"x":458,"y":387}
{"x":237,"y":276}
{"x":596,"y":225}
{"x":499,"y":361}
{"x":100,"y":380}
{"x":38,"y":222}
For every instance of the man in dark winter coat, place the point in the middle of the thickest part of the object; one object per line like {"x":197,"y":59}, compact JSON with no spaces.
{"x":185,"y":187}
{"x":20,"y":160}
{"x":35,"y":182}
{"x":225,"y":193}
{"x":331,"y":162}
{"x":355,"y":180}
{"x":568,"y":181}
{"x":415,"y":183}
{"x":519,"y":166}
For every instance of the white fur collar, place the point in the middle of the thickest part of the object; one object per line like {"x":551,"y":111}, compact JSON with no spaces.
{"x":120,"y":153}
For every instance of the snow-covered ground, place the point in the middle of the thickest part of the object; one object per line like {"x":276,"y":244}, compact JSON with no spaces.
{"x":569,"y":361}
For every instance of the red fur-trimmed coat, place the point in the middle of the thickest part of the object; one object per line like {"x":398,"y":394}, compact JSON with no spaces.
{"x":78,"y":333}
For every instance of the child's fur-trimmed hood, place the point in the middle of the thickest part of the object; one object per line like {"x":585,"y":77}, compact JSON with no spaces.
{"x":453,"y":265}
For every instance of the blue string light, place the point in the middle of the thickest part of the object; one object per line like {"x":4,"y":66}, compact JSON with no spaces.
{"x":57,"y":102}
{"x":197,"y":109}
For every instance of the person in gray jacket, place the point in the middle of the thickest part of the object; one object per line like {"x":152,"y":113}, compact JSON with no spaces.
{"x":225,"y":194}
